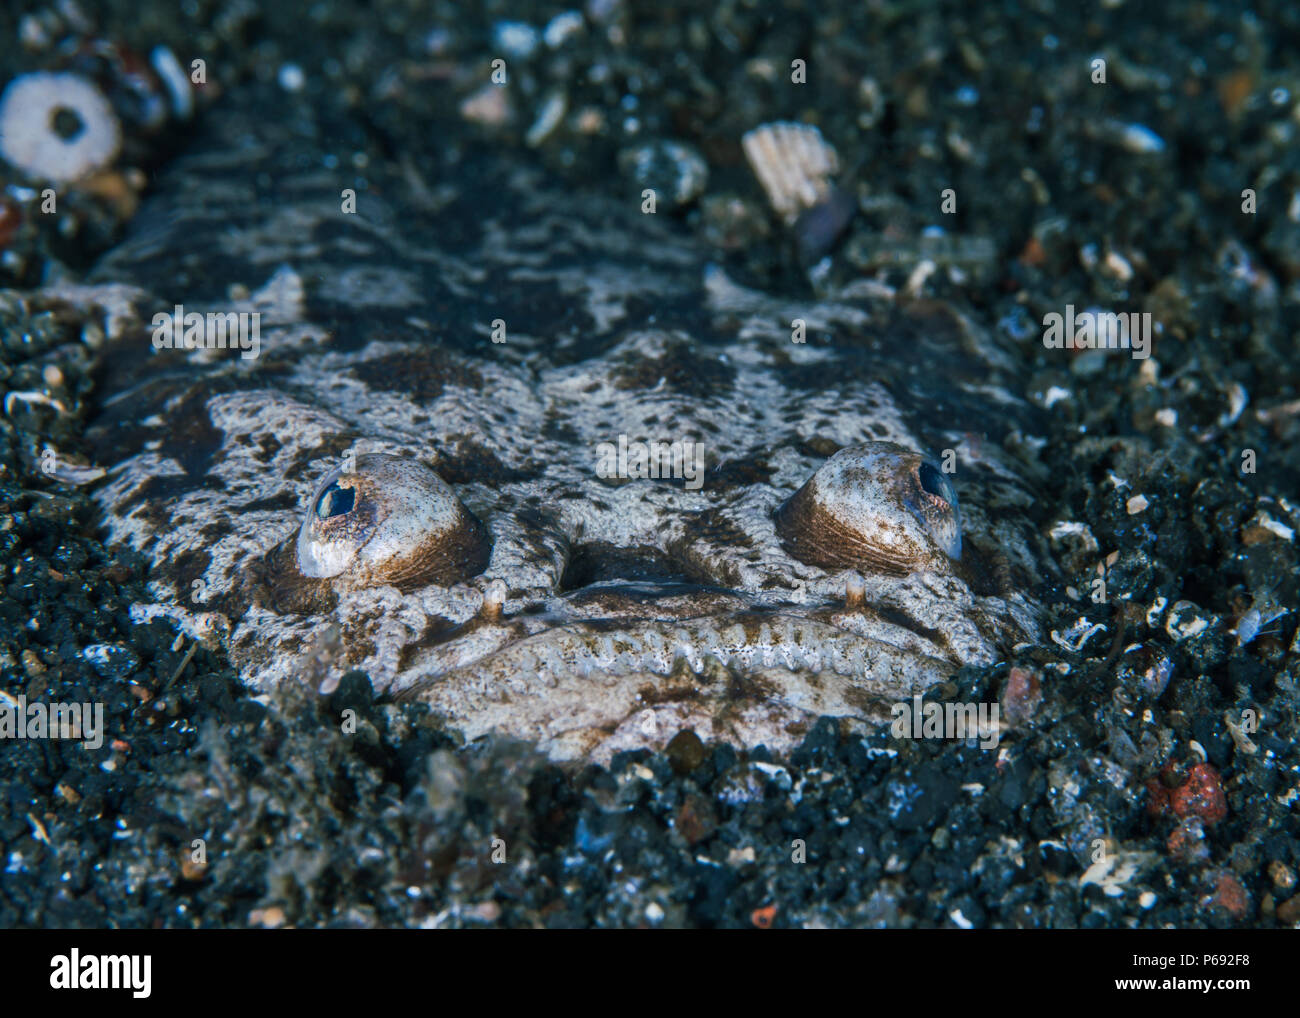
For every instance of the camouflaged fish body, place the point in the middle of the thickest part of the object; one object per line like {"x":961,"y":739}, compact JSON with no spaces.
{"x":590,"y":613}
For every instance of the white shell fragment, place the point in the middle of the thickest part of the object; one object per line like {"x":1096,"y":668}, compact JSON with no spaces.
{"x":794,"y":163}
{"x":175,"y":80}
{"x":29,"y":140}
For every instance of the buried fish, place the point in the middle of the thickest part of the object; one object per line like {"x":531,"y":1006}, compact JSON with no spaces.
{"x":409,"y":479}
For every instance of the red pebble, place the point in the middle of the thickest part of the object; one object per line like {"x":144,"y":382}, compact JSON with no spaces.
{"x":1021,"y":695}
{"x":1201,"y":795}
{"x":1187,"y":841}
{"x":1230,"y":896}
{"x":1158,"y":804}
{"x":10,"y":220}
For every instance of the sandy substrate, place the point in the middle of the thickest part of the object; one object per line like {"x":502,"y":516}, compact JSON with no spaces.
{"x":1148,"y":773}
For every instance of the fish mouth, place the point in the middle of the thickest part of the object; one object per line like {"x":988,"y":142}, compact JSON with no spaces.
{"x":629,"y":664}
{"x":593,"y":666}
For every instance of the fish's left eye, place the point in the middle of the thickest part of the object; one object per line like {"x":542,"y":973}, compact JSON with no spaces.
{"x":933,"y":481}
{"x":389,"y":521}
{"x":335,"y":501}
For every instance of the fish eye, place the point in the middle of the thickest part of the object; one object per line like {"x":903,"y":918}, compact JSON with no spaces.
{"x":877,"y":507}
{"x":933,"y":481}
{"x":389,"y":521}
{"x":335,"y":501}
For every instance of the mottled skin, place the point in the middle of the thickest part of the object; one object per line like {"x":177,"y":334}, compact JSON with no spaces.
{"x":610,"y":612}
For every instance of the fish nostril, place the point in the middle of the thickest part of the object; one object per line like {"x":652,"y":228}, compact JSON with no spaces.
{"x":601,"y":563}
{"x":335,"y":501}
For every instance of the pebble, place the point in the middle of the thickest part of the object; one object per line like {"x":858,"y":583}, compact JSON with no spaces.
{"x":676,"y":172}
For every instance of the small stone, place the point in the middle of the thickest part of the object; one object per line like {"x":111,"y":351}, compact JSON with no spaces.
{"x":676,"y":172}
{"x":1022,"y":695}
{"x":488,"y":911}
{"x":1282,"y":875}
{"x":1136,"y":504}
{"x":695,"y":820}
{"x":112,"y":660}
{"x":1186,"y":842}
{"x":489,"y":106}
{"x":1289,"y":911}
{"x":740,"y":856}
{"x":1200,"y":795}
{"x":1117,"y":266}
{"x":267,"y":918}
{"x":685,"y":751}
{"x":1230,"y":896}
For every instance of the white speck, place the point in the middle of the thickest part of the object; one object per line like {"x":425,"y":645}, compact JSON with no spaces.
{"x":1146,"y":899}
{"x":1141,"y":140}
{"x":1273,"y":526}
{"x":1185,"y":630}
{"x":1118,"y":266}
{"x":515,"y":38}
{"x":1237,"y":400}
{"x":654,"y":912}
{"x":1136,"y":504}
{"x":1054,"y":395}
{"x":547,"y":120}
{"x":1073,"y":528}
{"x":956,"y":916}
{"x":174,"y":79}
{"x":1077,"y":635}
{"x":1168,"y":417}
{"x":291,"y":78}
{"x":561,"y":28}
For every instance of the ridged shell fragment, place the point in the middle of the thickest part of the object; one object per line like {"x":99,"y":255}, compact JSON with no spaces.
{"x":794,"y":163}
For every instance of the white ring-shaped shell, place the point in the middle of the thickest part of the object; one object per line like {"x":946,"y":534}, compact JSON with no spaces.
{"x":28,"y":140}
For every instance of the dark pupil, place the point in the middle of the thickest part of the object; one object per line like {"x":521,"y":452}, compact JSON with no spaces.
{"x":67,"y":125}
{"x":933,"y":481}
{"x":335,"y":501}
